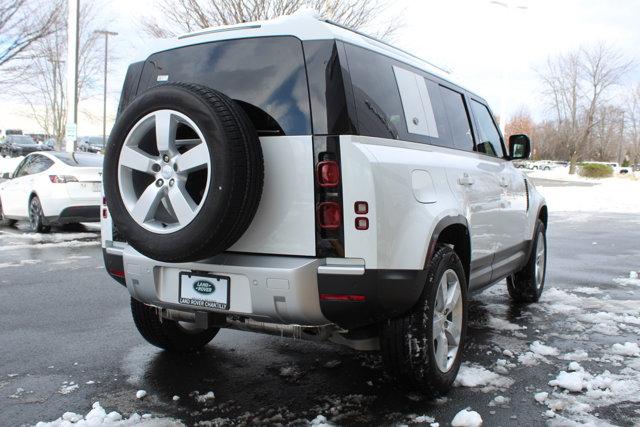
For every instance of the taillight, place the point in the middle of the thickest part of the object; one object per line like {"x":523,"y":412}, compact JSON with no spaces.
{"x":329,"y":215}
{"x":328,"y":173}
{"x":342,"y":297}
{"x":328,"y":197}
{"x":62,"y":179}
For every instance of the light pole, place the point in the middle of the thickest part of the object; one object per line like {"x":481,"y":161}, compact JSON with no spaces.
{"x":104,"y":95}
{"x":503,"y":102}
{"x":71,"y":130}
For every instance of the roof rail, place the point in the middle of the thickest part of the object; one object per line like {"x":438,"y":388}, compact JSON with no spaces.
{"x":236,"y":27}
{"x":360,"y":33}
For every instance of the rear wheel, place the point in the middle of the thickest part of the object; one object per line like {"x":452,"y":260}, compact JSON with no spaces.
{"x":36,"y":217}
{"x":168,"y":334}
{"x":423,"y":349}
{"x":527,"y":284}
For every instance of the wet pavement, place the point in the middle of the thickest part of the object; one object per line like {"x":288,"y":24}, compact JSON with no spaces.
{"x":66,"y":323}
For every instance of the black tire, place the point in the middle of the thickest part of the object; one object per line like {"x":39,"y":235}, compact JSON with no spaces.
{"x":36,"y":217}
{"x":523,"y":286}
{"x":168,"y":334}
{"x":5,"y":221}
{"x":407,"y":343}
{"x":237,"y":173}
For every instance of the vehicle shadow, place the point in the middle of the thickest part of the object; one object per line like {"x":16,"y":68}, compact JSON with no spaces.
{"x":265,"y":376}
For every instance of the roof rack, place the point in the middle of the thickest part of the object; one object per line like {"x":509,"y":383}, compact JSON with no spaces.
{"x":360,"y":33}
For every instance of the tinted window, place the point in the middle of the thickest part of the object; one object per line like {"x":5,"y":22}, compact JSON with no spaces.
{"x":23,"y":167}
{"x":458,"y":119}
{"x":39,"y":164}
{"x":378,"y":104}
{"x":266,"y":75}
{"x":490,"y":142}
{"x":79,"y":159}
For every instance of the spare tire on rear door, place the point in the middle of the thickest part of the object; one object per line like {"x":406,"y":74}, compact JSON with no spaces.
{"x":183,"y":172}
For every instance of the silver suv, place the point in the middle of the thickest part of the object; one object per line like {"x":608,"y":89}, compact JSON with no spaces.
{"x":298,"y":178}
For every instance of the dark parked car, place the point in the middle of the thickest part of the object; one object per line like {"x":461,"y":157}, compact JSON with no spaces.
{"x":91,"y":144}
{"x":21,"y":145}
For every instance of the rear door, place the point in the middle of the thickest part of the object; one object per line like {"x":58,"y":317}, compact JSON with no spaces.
{"x":475,"y":184}
{"x":266,"y":76}
{"x":16,"y":192}
{"x":510,"y":214}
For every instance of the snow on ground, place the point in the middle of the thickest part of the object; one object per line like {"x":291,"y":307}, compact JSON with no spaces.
{"x":98,"y":416}
{"x":12,"y":239}
{"x":473,"y":375}
{"x":9,"y":164}
{"x":614,"y":195}
{"x":466,"y":418}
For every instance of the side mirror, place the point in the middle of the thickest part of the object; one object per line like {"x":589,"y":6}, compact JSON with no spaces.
{"x":6,"y":175}
{"x":519,"y":147}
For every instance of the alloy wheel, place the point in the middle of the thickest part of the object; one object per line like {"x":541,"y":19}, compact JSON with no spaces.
{"x":164,"y":170}
{"x":447,"y":320}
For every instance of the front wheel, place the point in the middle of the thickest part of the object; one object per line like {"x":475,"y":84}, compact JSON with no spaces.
{"x":36,"y":217}
{"x":423,"y":349}
{"x":168,"y":334}
{"x":527,"y":284}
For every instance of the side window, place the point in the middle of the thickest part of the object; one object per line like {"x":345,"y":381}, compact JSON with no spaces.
{"x":416,"y":103}
{"x":23,"y":168}
{"x":458,"y":119}
{"x":490,"y":142}
{"x":39,"y":164}
{"x":378,"y":104}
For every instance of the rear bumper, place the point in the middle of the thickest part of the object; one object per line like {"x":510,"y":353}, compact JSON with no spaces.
{"x":73,"y":214}
{"x":276,"y":289}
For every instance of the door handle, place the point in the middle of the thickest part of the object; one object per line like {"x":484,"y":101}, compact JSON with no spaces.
{"x":465,"y":179}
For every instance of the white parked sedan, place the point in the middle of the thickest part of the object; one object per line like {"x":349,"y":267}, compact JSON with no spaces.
{"x":53,"y":188}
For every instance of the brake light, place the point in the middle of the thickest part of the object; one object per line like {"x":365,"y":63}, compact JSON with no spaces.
{"x":328,"y":174}
{"x":62,"y":179}
{"x":105,"y":213}
{"x":117,"y":273}
{"x":329,"y":215}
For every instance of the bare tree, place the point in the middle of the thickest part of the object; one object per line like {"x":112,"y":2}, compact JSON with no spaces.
{"x":183,"y":16}
{"x":633,"y":114}
{"x":24,"y":22}
{"x":43,"y":73}
{"x":576,"y":85}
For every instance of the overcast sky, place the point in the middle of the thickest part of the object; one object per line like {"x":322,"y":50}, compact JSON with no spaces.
{"x":492,"y":50}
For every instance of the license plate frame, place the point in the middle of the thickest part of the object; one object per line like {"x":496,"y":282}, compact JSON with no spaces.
{"x":193,"y":297}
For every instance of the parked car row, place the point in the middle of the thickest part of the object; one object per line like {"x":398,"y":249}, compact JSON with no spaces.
{"x":52,"y":188}
{"x":21,"y":145}
{"x":545,"y":165}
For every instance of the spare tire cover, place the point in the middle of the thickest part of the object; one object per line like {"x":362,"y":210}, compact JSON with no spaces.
{"x":183,"y":172}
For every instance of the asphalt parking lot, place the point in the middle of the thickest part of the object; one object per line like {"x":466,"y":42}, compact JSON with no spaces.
{"x":68,"y":340}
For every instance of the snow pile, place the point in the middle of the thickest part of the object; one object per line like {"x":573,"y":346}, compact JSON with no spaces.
{"x":472,"y":375}
{"x":499,"y":324}
{"x":98,"y":416}
{"x":141,"y":394}
{"x":203,"y":398}
{"x":609,"y":195}
{"x":572,"y":381}
{"x":632,"y":280}
{"x":626,"y":349}
{"x":466,"y":418}
{"x":9,"y":164}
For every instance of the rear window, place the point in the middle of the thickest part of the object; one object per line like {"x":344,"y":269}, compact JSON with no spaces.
{"x":265,"y":75}
{"x":79,"y":159}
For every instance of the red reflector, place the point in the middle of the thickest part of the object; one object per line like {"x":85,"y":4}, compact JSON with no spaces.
{"x":117,"y":273}
{"x":104,"y":200}
{"x":105,"y":213}
{"x":328,"y":174}
{"x":329,"y":215}
{"x":342,"y":297}
{"x":362,"y":223}
{"x":361,"y":208}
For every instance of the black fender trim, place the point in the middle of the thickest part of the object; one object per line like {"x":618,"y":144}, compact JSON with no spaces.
{"x":114,"y":266}
{"x":387,"y":294}
{"x":444,"y":223}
